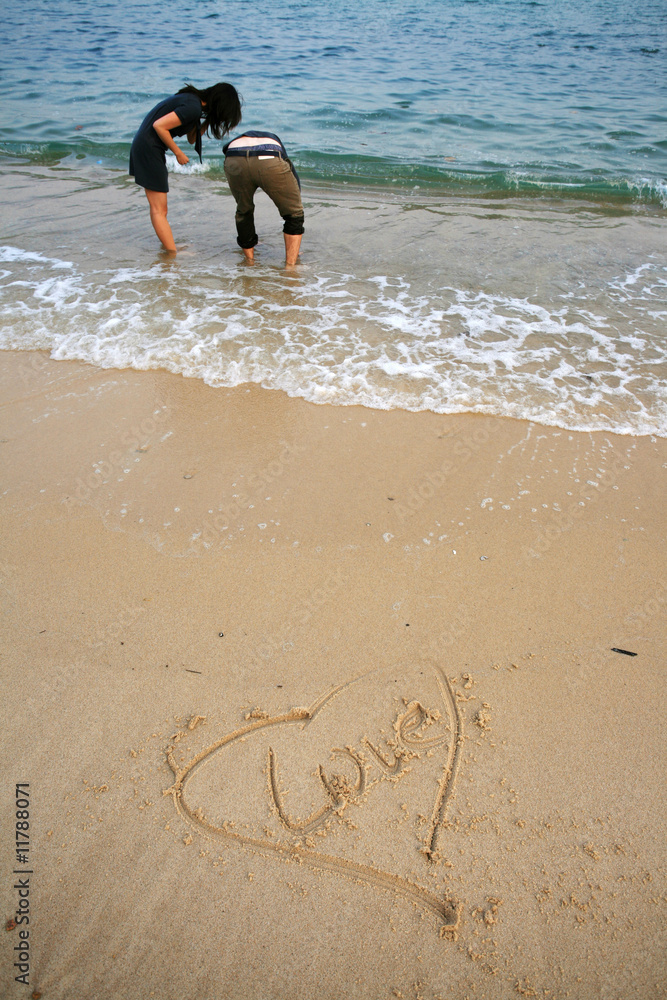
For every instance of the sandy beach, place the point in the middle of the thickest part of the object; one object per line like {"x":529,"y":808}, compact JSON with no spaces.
{"x":334,"y":595}
{"x":315,"y":701}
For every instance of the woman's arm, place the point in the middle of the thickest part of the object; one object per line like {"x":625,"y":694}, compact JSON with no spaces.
{"x":162,"y":126}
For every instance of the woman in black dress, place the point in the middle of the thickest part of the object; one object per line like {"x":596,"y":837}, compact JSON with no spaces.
{"x":190,"y":112}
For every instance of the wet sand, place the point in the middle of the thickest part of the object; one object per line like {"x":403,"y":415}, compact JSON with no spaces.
{"x":323,"y":701}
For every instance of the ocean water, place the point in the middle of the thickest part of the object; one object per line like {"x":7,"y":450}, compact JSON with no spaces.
{"x":485,"y":185}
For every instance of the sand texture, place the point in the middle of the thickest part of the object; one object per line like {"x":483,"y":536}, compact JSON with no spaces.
{"x":327,"y":702}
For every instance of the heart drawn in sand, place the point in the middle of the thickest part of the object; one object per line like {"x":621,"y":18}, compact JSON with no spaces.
{"x":357,"y":784}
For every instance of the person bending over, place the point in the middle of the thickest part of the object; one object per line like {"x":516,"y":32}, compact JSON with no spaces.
{"x":190,"y":112}
{"x":259,"y":160}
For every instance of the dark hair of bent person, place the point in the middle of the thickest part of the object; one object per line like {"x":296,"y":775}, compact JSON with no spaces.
{"x":223,"y":107}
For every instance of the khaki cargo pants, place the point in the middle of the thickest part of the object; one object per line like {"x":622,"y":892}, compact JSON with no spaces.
{"x":274,"y":175}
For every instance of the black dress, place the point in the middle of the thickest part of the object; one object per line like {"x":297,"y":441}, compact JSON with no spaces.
{"x":147,"y":159}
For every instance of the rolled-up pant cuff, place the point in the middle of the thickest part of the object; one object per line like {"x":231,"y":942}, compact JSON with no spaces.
{"x":246,"y":244}
{"x":293,"y":225}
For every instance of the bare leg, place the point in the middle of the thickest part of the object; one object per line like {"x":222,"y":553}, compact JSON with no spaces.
{"x":158,"y":205}
{"x":249,"y":254}
{"x":292,"y":244}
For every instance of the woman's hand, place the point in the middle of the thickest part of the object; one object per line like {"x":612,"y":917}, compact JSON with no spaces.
{"x":162,"y":126}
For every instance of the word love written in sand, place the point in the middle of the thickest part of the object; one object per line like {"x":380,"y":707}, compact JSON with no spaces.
{"x":365,"y":772}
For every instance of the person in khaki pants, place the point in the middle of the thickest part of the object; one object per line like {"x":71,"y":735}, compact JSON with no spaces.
{"x":259,"y":160}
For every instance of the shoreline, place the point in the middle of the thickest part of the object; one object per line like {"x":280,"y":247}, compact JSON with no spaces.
{"x":241,"y":554}
{"x":561,"y":327}
{"x":626,"y":195}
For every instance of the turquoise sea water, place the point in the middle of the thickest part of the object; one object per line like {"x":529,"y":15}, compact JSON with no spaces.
{"x":460,"y":95}
{"x":485,"y":185}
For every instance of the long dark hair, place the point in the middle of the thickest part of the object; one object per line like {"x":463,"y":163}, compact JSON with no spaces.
{"x":223,"y":107}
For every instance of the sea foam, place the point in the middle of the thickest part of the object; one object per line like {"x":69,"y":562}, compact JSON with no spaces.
{"x":340,"y":339}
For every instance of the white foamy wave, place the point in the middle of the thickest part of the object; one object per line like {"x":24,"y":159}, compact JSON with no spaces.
{"x":193,"y":167}
{"x":10,"y":254}
{"x":649,"y":187}
{"x":582,"y":363}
